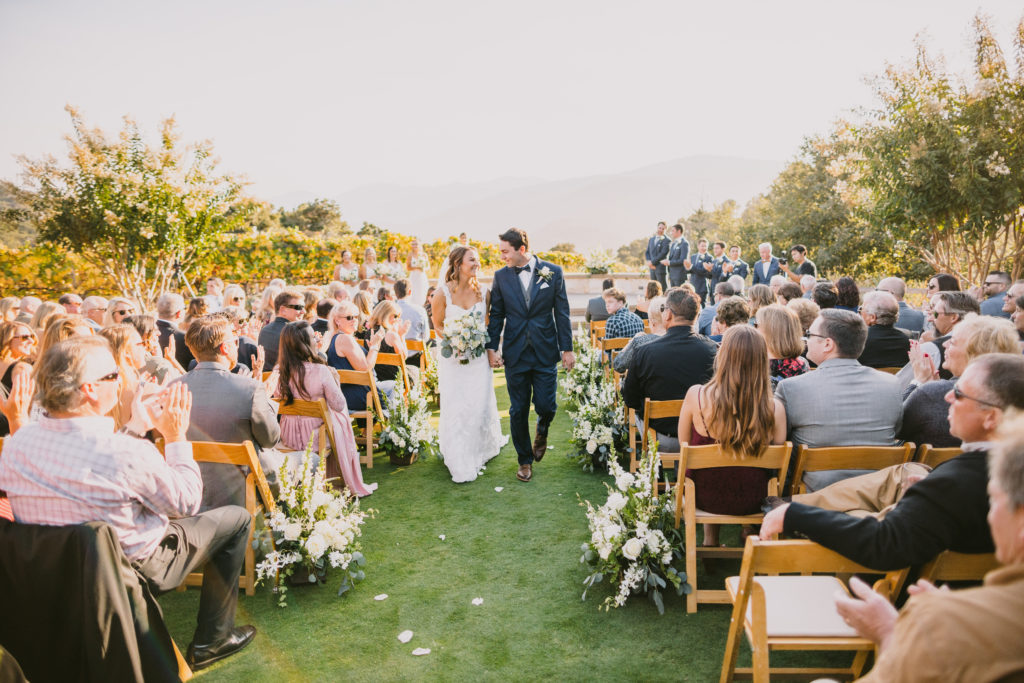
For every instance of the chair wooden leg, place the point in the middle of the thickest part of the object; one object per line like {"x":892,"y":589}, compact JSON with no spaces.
{"x":690,"y":534}
{"x":732,"y":645}
{"x":184,"y":672}
{"x":369,"y":441}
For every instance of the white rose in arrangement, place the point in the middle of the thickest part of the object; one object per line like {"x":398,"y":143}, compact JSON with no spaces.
{"x":616,"y":501}
{"x":623,"y":480}
{"x":321,"y":498}
{"x":632,"y":548}
{"x":292,"y":531}
{"x":591,"y":446}
{"x":667,"y":558}
{"x":316,"y":545}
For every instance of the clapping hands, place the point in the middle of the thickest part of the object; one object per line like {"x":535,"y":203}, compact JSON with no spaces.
{"x":17,"y":404}
{"x":258,"y":362}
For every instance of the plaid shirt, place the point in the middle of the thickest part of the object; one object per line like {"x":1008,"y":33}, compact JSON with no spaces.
{"x":623,"y":323}
{"x":69,"y":471}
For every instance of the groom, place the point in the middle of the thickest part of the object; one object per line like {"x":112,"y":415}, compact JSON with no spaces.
{"x":528,"y":300}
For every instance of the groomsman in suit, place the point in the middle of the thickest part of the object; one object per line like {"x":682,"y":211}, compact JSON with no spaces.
{"x":678,"y":252}
{"x":700,"y":270}
{"x":766,"y":267}
{"x":718,"y":273}
{"x":736,"y":265}
{"x":657,"y":251}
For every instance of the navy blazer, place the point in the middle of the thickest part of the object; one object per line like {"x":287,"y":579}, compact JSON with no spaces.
{"x":740,"y":267}
{"x":773,"y":269}
{"x":544,"y":324}
{"x":657,"y":249}
{"x":677,"y":253}
{"x":699,"y":275}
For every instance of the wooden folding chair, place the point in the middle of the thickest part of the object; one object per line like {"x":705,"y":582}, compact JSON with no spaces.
{"x":891,"y":371}
{"x":846,"y":458}
{"x":953,"y":566}
{"x":647,"y":325}
{"x":931,"y":456}
{"x":608,"y":348}
{"x":238,"y":454}
{"x":793,"y":612}
{"x":395,"y":360}
{"x":597,"y":330}
{"x":365,"y":378}
{"x":417,"y":346}
{"x":653,"y":410}
{"x":703,"y":457}
{"x":325,"y":432}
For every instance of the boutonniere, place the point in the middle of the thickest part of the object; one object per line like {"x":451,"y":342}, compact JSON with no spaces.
{"x":545,"y":274}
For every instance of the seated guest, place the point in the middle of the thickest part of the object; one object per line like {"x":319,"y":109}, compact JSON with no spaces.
{"x":759,"y":295}
{"x":170,"y":312}
{"x":781,"y":330}
{"x":924,"y":401}
{"x":1010,"y":302}
{"x":886,"y":347}
{"x":419,"y":328}
{"x":776,"y":282}
{"x":234,"y":295}
{"x":788,"y":292}
{"x":118,"y":309}
{"x":249,"y":355}
{"x":364,"y":304}
{"x":621,"y":321}
{"x":197,"y":307}
{"x":848,"y":294}
{"x":735,"y":409}
{"x":227,"y":408}
{"x":898,"y":520}
{"x":388,"y":317}
{"x":652,"y":290}
{"x":723,"y":290}
{"x":1018,"y":316}
{"x":729,"y":313}
{"x":806,"y":310}
{"x":345,"y":352}
{"x":967,"y":635}
{"x":94,"y":308}
{"x":59,"y":328}
{"x":305,"y":375}
{"x":129,"y":353}
{"x":289,"y":306}
{"x":323,"y":309}
{"x":807,"y":283}
{"x":666,"y":368}
{"x":624,"y":359}
{"x":17,"y":347}
{"x":157,"y":366}
{"x":909,"y":319}
{"x":947,"y":311}
{"x":996,"y":284}
{"x":71,"y":468}
{"x":27,"y":308}
{"x":842,"y":403}
{"x":45,"y":312}
{"x":71,"y":302}
{"x":825,"y":295}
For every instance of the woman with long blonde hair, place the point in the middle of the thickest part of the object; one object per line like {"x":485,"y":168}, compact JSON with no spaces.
{"x":129,"y":353}
{"x":118,"y":309}
{"x":43,"y":315}
{"x":737,"y":410}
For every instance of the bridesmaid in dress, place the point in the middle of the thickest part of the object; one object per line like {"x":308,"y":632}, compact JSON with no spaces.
{"x":305,"y":375}
{"x":347,"y":272}
{"x":418,"y":263}
{"x":736,"y":409}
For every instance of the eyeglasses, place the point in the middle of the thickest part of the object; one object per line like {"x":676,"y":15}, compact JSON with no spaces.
{"x":348,"y":317}
{"x":815,"y":334}
{"x":25,"y":337}
{"x":936,"y":314}
{"x":127,"y":311}
{"x":295,"y":307}
{"x":992,"y":283}
{"x":960,"y":396}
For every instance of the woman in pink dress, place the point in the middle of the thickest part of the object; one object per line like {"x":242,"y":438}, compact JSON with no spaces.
{"x":305,"y":375}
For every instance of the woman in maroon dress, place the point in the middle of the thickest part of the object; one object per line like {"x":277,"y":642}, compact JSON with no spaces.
{"x":737,"y":410}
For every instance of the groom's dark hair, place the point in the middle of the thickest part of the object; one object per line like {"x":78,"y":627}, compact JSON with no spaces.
{"x":516,"y":238}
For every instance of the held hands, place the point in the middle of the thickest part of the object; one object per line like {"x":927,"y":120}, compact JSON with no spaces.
{"x":494,"y":359}
{"x":872,"y":616}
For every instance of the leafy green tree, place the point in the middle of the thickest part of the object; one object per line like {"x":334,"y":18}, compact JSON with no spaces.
{"x":632,"y":254}
{"x":141,"y":214}
{"x":565,"y":247}
{"x":942,"y":159}
{"x":371,"y":230}
{"x":318,"y":216}
{"x":16,"y":228}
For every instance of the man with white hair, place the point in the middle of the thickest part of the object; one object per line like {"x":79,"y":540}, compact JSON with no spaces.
{"x":776,"y":282}
{"x":170,"y":311}
{"x":27,"y":308}
{"x":807,"y":283}
{"x":93,"y":310}
{"x":909,"y":319}
{"x":886,"y":347}
{"x":767,"y":267}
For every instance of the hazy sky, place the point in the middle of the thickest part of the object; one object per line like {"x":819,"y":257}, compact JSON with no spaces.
{"x":326,"y":96}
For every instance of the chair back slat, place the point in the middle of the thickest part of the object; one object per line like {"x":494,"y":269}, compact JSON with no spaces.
{"x":703,"y":457}
{"x":654,"y":410}
{"x":848,"y":458}
{"x":615,"y":343}
{"x":241,"y":454}
{"x":953,"y":566}
{"x":933,"y":457}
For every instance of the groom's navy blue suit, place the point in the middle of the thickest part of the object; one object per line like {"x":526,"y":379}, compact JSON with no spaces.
{"x":535,"y":335}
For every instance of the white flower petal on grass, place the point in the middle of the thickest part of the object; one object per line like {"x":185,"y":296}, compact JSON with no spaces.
{"x":382,"y":596}
{"x":421,"y":651}
{"x":499,"y":489}
{"x":478,"y":601}
{"x":405,"y":636}
{"x":441,"y":537}
{"x":551,"y":448}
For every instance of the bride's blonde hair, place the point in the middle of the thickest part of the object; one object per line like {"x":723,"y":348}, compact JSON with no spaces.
{"x":455,"y":260}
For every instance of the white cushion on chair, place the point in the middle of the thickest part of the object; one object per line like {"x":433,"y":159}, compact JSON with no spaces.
{"x":800,"y":606}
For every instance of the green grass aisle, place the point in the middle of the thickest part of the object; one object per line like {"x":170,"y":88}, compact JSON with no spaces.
{"x":518,"y":549}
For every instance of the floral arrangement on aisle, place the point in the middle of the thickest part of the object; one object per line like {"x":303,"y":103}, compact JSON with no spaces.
{"x":599,"y":429}
{"x":429,"y":382}
{"x":632,"y":538}
{"x":407,"y":433}
{"x":315,"y":529}
{"x":464,"y":338}
{"x":599,"y":261}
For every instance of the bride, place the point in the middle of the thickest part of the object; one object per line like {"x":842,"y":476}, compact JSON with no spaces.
{"x":470,"y":429}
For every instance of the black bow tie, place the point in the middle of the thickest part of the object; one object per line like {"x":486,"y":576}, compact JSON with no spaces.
{"x":521,"y":269}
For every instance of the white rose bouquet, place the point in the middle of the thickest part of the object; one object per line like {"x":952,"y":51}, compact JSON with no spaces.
{"x":465,"y":337}
{"x":407,"y":433}
{"x":632,"y":538}
{"x":315,"y":529}
{"x":599,"y":261}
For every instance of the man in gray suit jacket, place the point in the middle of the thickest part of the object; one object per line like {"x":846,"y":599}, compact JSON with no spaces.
{"x":226,"y":408}
{"x":842,"y":403}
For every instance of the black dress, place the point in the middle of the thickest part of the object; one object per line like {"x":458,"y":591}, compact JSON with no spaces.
{"x":8,"y":382}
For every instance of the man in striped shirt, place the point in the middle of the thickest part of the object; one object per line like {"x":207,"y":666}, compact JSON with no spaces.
{"x":71,"y":467}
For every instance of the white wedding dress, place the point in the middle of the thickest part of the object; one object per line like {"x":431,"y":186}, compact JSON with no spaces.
{"x":470,"y":430}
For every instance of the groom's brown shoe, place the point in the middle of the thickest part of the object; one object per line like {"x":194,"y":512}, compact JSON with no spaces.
{"x":525,"y":473}
{"x":540,"y":447}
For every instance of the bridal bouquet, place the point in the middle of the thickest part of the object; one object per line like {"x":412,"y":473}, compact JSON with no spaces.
{"x":395,"y":271}
{"x":464,"y":337}
{"x":407,"y":432}
{"x":315,"y":529}
{"x":632,"y":537}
